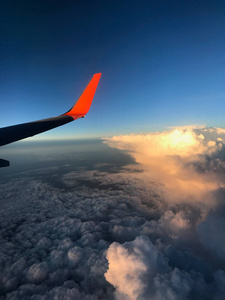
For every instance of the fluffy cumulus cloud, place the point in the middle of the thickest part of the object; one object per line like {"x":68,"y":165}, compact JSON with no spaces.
{"x":140,"y":271}
{"x":150,"y":230}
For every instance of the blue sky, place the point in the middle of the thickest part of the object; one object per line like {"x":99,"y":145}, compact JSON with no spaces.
{"x":162,"y":64}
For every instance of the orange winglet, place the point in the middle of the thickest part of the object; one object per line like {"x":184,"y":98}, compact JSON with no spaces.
{"x":82,"y":106}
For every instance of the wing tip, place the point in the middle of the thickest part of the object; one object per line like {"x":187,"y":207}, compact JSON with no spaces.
{"x":83,"y":104}
{"x":97,"y":74}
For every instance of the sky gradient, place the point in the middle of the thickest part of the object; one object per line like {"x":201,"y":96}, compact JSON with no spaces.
{"x":162,"y":64}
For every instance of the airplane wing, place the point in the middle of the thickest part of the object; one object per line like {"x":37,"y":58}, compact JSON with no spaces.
{"x":79,"y":110}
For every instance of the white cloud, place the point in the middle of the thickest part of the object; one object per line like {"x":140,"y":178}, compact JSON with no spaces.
{"x":139,"y":271}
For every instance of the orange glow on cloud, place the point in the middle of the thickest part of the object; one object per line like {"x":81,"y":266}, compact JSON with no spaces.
{"x":122,"y":263}
{"x":168,"y":157}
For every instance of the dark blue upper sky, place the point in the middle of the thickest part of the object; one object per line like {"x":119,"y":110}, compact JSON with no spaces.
{"x":162,"y":63}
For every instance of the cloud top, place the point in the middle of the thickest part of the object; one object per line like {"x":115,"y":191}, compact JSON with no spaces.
{"x":172,"y":157}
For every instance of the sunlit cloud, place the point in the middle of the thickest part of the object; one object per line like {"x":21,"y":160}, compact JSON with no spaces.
{"x":139,"y":271}
{"x":172,"y":158}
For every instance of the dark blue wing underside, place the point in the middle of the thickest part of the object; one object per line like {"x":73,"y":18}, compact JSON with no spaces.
{"x":18,"y":132}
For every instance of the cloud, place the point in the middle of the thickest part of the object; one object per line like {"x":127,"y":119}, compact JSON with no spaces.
{"x":55,"y":241}
{"x":171,"y":157}
{"x":46,"y":245}
{"x":219,"y":130}
{"x":88,"y":233}
{"x":188,"y":163}
{"x":211,"y":230}
{"x":37,"y":273}
{"x":126,"y":268}
{"x":138,"y":270}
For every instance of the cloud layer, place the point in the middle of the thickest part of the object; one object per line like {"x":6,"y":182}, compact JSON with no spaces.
{"x":189,"y":165}
{"x":137,"y":232}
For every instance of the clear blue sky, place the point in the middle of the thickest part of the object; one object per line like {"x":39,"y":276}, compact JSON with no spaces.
{"x":162,"y":63}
